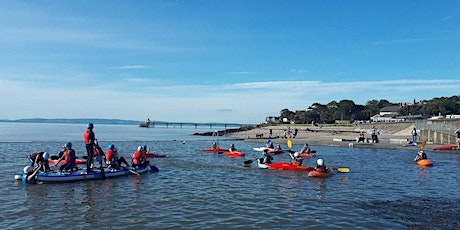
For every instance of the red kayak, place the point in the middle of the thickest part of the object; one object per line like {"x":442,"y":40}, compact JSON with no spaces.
{"x":314,"y":173}
{"x":63,"y":162}
{"x":153,"y":155}
{"x":307,"y":155}
{"x":425,"y":162}
{"x":215,"y":150}
{"x":234,"y":154}
{"x":288,"y":166}
{"x":445,"y":147}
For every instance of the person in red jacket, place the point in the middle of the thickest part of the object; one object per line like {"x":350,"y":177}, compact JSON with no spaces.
{"x":112,"y":159}
{"x":89,"y":137}
{"x":139,"y":158}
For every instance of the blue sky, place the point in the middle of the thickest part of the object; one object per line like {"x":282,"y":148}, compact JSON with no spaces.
{"x":221,"y":61}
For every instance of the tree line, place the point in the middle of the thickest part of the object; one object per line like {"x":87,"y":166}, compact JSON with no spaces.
{"x":348,"y":110}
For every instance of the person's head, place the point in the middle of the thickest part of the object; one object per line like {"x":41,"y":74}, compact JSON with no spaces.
{"x":306,"y":144}
{"x":420,"y":152}
{"x":139,"y":148}
{"x":278,"y":145}
{"x":90,"y":126}
{"x":112,"y":146}
{"x":144,"y":147}
{"x":296,"y":154}
{"x":68,"y":145}
{"x":233,"y":145}
{"x":28,"y":169}
{"x":214,"y":143}
{"x":46,"y":156}
{"x":320,"y":162}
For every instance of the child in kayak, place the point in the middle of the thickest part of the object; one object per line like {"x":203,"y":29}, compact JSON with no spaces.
{"x":420,"y":156}
{"x":232,"y":148}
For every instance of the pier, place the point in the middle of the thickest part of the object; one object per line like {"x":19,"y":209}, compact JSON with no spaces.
{"x":165,"y":124}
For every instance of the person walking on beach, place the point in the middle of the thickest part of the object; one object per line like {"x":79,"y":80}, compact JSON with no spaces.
{"x":414,"y":135}
{"x":89,"y":137}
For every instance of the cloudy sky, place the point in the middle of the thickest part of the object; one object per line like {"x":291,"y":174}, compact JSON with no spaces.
{"x":221,"y":61}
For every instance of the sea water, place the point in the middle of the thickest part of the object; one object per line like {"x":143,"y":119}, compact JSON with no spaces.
{"x":198,"y":190}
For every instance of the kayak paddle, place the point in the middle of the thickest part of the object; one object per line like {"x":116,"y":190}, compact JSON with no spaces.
{"x":343,"y":170}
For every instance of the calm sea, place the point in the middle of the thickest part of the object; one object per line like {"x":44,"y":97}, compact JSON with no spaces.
{"x":198,"y":190}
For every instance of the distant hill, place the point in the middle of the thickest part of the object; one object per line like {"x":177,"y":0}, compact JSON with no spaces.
{"x":76,"y":121}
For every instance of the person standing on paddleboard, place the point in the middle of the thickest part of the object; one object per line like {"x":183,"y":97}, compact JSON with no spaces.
{"x":89,"y":137}
{"x":458,"y":138}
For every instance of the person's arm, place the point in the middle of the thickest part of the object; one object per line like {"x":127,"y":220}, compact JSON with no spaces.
{"x":32,"y":176}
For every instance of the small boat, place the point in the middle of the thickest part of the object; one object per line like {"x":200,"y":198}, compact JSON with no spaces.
{"x":215,"y":150}
{"x":288,"y":166}
{"x":425,"y":162}
{"x":155,"y":155}
{"x":234,"y":154}
{"x":63,"y":162}
{"x":80,"y":175}
{"x":314,"y":173}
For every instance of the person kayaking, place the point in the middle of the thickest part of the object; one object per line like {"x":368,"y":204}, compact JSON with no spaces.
{"x":270,"y":144}
{"x":297,"y":159}
{"x":41,"y":159}
{"x":305,"y":149}
{"x":278,"y":148}
{"x":113,"y":160}
{"x":265,"y":157}
{"x":139,"y":159}
{"x":320,"y":166}
{"x":232,"y":148}
{"x":30,"y":175}
{"x":214,"y":145}
{"x":89,"y":137}
{"x":69,"y":157}
{"x":420,"y":156}
{"x":99,"y":155}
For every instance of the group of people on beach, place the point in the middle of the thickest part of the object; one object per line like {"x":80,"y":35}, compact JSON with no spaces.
{"x":40,"y":160}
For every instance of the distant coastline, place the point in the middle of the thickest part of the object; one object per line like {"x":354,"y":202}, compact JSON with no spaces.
{"x":75,"y":121}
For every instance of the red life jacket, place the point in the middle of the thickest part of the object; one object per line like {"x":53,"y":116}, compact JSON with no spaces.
{"x":137,"y":156}
{"x":88,"y":136}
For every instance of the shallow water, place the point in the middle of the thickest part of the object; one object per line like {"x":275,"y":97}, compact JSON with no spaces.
{"x":195,"y":189}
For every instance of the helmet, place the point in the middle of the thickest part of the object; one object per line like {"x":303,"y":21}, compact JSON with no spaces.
{"x":214,"y":143}
{"x":319,"y":162}
{"x":111,"y":146}
{"x":68,"y":145}
{"x":46,"y":155}
{"x":296,"y":154}
{"x":139,"y":148}
{"x":90,"y":125}
{"x":28,"y":169}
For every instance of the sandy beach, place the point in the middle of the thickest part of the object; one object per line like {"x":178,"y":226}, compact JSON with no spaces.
{"x":390,"y":135}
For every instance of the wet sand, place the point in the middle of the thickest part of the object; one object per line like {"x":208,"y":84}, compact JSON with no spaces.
{"x":389,"y":135}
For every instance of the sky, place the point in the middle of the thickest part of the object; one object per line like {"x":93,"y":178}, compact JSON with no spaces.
{"x":231,"y":61}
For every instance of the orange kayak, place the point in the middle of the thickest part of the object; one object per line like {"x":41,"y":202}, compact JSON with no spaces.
{"x":153,"y":155}
{"x":425,"y":162}
{"x":214,"y":150}
{"x":307,"y":155}
{"x":320,"y":174}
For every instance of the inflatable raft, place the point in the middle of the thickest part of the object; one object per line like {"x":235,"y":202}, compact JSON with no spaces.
{"x":80,"y":175}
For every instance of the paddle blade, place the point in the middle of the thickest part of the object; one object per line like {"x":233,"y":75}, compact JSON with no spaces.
{"x":248,"y":162}
{"x":313,"y":151}
{"x":289,"y":144}
{"x":343,"y":170}
{"x":423,"y":144}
